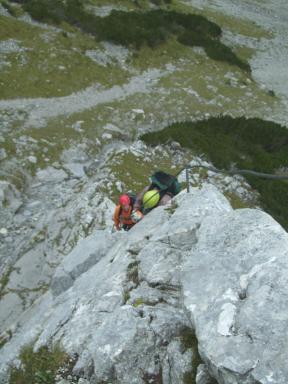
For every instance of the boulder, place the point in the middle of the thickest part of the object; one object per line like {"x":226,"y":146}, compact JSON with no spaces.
{"x":234,"y":284}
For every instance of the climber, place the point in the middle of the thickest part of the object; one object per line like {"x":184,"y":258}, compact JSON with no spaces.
{"x":162,"y":189}
{"x":124,"y":217}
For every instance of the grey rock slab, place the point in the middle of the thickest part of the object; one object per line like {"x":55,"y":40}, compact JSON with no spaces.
{"x":180,"y":231}
{"x":26,"y":331}
{"x":159,"y":264}
{"x":87,"y":253}
{"x":10,"y":309}
{"x":178,"y":363}
{"x":75,"y":154}
{"x":28,"y":271}
{"x":203,"y":375}
{"x":234,"y":286}
{"x":76,"y":169}
{"x":96,"y":294}
{"x":51,"y":174}
{"x":147,"y":295}
{"x":166,"y":322}
{"x":148,"y":226}
{"x":61,"y":281}
{"x":116,"y":341}
{"x":226,"y":279}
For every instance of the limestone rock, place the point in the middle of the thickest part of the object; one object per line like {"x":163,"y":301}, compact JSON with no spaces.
{"x":51,"y":174}
{"x":11,"y":308}
{"x":203,"y":376}
{"x":86,"y":254}
{"x":134,"y":302}
{"x":9,"y":196}
{"x":234,"y":283}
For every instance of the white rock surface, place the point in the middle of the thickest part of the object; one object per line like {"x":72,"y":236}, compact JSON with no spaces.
{"x":51,"y":174}
{"x":131,"y":296}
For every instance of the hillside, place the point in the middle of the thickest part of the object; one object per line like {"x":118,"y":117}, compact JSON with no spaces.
{"x":96,"y":95}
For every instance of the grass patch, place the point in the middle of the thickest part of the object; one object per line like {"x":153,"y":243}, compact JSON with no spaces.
{"x":238,"y":203}
{"x":51,"y":141}
{"x":247,"y":143}
{"x":50,"y":64}
{"x":136,"y":29}
{"x":42,"y":366}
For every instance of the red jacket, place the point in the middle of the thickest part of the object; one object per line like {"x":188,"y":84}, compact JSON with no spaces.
{"x":122,"y":217}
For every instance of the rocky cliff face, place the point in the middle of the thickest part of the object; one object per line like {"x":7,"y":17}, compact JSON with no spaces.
{"x":196,"y":291}
{"x":194,"y":282}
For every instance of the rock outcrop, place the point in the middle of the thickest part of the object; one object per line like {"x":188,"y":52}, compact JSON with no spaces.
{"x":194,"y":282}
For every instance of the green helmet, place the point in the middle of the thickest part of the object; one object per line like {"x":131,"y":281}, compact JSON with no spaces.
{"x":151,"y":199}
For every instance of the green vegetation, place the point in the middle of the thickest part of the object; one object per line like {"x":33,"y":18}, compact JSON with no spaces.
{"x":138,"y":302}
{"x":189,"y":341}
{"x":132,"y":273}
{"x":238,"y":203}
{"x":136,"y":29}
{"x":5,"y":337}
{"x":246,"y":143}
{"x":50,"y":63}
{"x":153,"y":27}
{"x":39,"y":236}
{"x":13,"y":9}
{"x":40,"y":367}
{"x":213,"y":48}
{"x":5,"y":280}
{"x":234,"y":24}
{"x":126,"y":296}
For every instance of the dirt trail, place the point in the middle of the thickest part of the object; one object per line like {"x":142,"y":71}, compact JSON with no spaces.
{"x":41,"y":109}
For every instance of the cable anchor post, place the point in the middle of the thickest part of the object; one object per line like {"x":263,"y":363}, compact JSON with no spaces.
{"x":187,"y":179}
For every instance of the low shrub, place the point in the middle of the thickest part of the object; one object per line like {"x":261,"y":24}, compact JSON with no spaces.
{"x":42,"y":366}
{"x":136,"y":29}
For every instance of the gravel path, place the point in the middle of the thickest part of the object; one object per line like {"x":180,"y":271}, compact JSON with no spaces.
{"x":41,"y":109}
